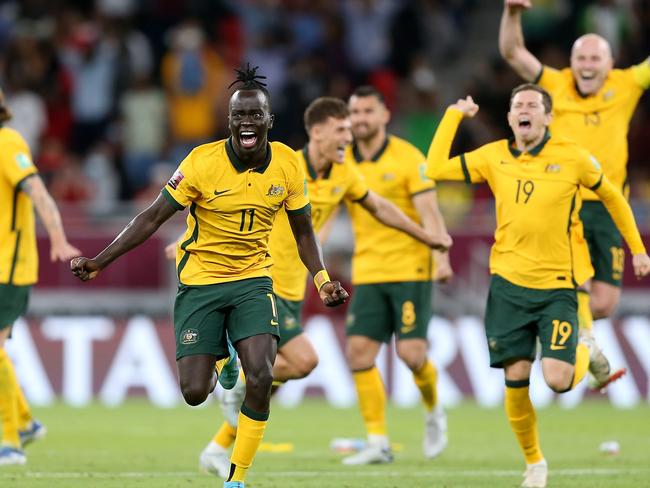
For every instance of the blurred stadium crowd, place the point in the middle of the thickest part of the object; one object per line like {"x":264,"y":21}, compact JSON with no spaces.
{"x":111,"y":94}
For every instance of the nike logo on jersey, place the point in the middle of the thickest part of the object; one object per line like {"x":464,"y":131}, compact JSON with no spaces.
{"x":504,"y":162}
{"x":217,"y":193}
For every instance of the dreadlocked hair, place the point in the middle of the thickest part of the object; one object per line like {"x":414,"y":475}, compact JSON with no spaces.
{"x":249,"y":79}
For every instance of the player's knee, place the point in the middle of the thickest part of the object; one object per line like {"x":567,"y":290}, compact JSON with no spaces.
{"x":194,"y":393}
{"x":559,"y":381}
{"x":259,"y":380}
{"x":603,"y":308}
{"x":414,"y":359}
{"x":306,"y":365}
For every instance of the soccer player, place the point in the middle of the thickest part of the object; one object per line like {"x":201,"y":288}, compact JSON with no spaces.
{"x":21,"y":190}
{"x":234,"y":189}
{"x":331,"y":179}
{"x":535,"y":179}
{"x":392,"y":274}
{"x":593,"y":105}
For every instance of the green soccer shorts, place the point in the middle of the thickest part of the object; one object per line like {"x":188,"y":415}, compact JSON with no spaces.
{"x":13,"y":303}
{"x":203,"y":314}
{"x":380,"y":310}
{"x":290,"y":318}
{"x":604,"y":241}
{"x":516,"y":316}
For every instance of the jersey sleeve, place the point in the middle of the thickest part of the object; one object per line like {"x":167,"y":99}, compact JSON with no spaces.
{"x":469,"y":167}
{"x":297,"y":201}
{"x":357,"y":188}
{"x":591,"y":174}
{"x":181,"y":189}
{"x":641,"y":73}
{"x":549,"y":78}
{"x":17,"y":161}
{"x":416,"y":175}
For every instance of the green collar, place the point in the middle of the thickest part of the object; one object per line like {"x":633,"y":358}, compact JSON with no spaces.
{"x":534,"y":151}
{"x":310,"y":169}
{"x":239,"y":165}
{"x":359,"y":158}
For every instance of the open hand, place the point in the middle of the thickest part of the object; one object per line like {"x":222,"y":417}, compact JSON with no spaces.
{"x":83,"y":268}
{"x":333,"y":294}
{"x":641,"y":265}
{"x":466,"y":106}
{"x":63,"y":251}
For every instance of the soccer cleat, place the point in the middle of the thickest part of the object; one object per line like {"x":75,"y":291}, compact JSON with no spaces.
{"x":233,"y":484}
{"x":231,"y":401}
{"x":602,"y":386}
{"x":435,"y":433}
{"x":11,"y":455}
{"x":215,"y":461}
{"x":535,"y":475}
{"x":35,"y":432}
{"x":598,"y":363}
{"x":371,"y":454}
{"x":228,"y":371}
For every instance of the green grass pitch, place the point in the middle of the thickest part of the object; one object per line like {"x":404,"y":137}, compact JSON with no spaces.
{"x":137,"y":445}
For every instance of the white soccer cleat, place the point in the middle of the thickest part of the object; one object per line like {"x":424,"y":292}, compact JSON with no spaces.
{"x":600,"y":374}
{"x":11,"y":456}
{"x":435,"y":433}
{"x":231,"y":401}
{"x":535,"y":475}
{"x":215,"y":460}
{"x":371,"y":454}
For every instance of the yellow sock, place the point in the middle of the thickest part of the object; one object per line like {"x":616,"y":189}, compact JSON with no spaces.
{"x":8,"y":401}
{"x":372,"y":400}
{"x":426,"y":379}
{"x":523,"y":421}
{"x":585,"y":319}
{"x":24,"y":413}
{"x":250,"y":430}
{"x":225,"y":436}
{"x":582,"y":364}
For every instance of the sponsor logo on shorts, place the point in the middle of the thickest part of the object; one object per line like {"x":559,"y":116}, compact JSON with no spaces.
{"x":176,"y":179}
{"x":274,"y":323}
{"x":290,"y":323}
{"x":493,"y":344}
{"x":275,"y":191}
{"x":349,"y":320}
{"x":190,"y":336}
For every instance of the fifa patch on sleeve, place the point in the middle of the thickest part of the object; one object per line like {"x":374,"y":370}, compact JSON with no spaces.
{"x":176,"y":179}
{"x":23,"y":161}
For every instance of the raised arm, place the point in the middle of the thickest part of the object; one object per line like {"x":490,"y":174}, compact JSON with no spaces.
{"x":511,"y":41}
{"x":134,"y":234}
{"x":439,"y":166}
{"x":60,"y":248}
{"x":389,"y":214}
{"x":623,"y":217}
{"x":331,"y":292}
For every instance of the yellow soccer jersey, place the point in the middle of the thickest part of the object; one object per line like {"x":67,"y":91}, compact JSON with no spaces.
{"x":383,"y":254}
{"x":536,"y":198}
{"x":18,"y":255}
{"x":341,"y":182}
{"x":599,"y":123}
{"x":232,"y":210}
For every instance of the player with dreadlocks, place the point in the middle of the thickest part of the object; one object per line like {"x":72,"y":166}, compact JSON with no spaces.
{"x":234,"y":188}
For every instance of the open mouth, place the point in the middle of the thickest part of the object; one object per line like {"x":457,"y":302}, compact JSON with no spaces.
{"x":247,"y":138}
{"x":587,"y":75}
{"x":524,"y":123}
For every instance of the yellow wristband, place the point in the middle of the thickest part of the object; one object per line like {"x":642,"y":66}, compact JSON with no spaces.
{"x":321,"y":278}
